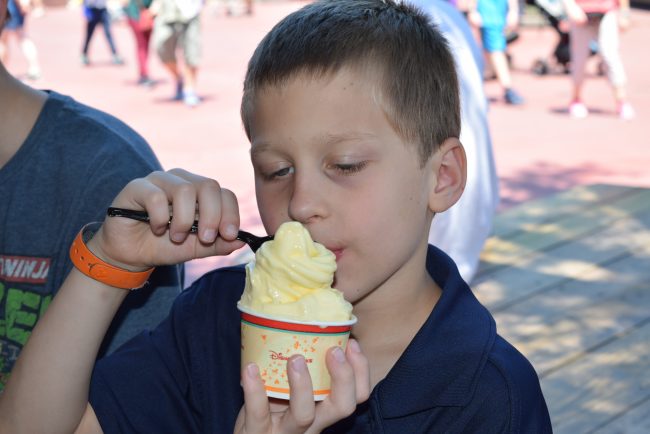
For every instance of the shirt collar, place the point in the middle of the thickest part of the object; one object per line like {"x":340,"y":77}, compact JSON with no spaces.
{"x":442,"y":364}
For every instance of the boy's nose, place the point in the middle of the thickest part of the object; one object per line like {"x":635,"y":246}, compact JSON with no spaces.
{"x":307,"y":199}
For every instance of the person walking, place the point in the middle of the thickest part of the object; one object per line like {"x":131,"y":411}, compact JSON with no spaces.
{"x":178,"y":25}
{"x":141,"y":18}
{"x":15,"y":26}
{"x":95,"y":12}
{"x":601,"y":20}
{"x":494,"y":18}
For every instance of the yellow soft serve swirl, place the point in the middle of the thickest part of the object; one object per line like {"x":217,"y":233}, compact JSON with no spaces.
{"x":291,"y":278}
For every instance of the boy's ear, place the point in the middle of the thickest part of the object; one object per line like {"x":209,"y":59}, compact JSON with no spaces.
{"x":450,"y":174}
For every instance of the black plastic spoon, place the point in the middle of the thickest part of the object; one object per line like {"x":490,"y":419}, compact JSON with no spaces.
{"x":253,"y":241}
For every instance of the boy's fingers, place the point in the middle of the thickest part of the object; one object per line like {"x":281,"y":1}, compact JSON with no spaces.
{"x":210,"y":206}
{"x":218,"y":210}
{"x":361,"y":370}
{"x":301,"y":404}
{"x":257,"y":418}
{"x":181,"y":193}
{"x":229,"y":224}
{"x":342,"y":400}
{"x":142,"y":194}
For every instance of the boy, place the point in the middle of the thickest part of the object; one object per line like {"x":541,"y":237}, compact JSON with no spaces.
{"x":61,"y":165}
{"x":352,"y":110}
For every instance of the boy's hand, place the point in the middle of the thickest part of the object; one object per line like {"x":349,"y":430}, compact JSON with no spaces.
{"x":350,"y":386}
{"x":137,"y":246}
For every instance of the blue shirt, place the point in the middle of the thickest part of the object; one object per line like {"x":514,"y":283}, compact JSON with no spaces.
{"x":74,"y":161}
{"x":457,"y":375}
{"x":493,"y":12}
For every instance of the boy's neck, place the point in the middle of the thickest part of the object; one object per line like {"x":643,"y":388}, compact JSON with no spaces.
{"x":19,"y":110}
{"x":389,"y":320}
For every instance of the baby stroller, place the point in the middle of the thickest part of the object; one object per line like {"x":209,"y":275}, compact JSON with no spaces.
{"x":553,"y":11}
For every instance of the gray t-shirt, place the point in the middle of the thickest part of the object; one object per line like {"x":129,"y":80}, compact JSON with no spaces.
{"x":67,"y":172}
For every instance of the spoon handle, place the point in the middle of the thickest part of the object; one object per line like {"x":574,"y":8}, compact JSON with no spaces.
{"x":253,"y":241}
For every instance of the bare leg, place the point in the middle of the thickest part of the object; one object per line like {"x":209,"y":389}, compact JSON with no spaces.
{"x":172,"y":67}
{"x":31,"y":54}
{"x":189,"y":93}
{"x":500,"y":64}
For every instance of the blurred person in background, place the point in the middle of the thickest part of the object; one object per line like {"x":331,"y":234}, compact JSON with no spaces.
{"x":95,"y":12}
{"x":494,"y":18}
{"x":178,"y":27}
{"x":52,"y":150}
{"x":17,"y":11}
{"x":140,"y":17}
{"x":248,"y":7}
{"x":461,"y":231}
{"x":601,"y":20}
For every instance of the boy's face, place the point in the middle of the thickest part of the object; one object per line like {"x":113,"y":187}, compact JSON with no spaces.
{"x":326,"y":155}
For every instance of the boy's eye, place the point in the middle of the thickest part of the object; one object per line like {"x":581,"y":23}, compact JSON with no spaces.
{"x":349,"y":168}
{"x":285,"y":171}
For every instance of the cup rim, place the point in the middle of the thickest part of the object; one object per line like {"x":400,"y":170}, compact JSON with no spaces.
{"x":350,"y":322}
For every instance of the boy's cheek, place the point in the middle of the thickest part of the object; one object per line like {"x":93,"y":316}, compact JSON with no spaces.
{"x":272,"y":213}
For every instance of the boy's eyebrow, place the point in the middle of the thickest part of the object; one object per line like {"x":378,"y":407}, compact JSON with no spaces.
{"x":352,"y":136}
{"x":325,"y":140}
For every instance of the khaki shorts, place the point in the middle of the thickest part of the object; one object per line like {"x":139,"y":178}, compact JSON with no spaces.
{"x":168,"y":37}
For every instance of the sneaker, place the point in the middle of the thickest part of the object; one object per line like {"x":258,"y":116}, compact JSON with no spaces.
{"x":191,"y":99}
{"x":117,"y":60}
{"x":179,"y":91}
{"x":513,"y":98}
{"x":146,"y":82}
{"x":626,"y":112}
{"x":85,"y":60}
{"x":578,"y":110}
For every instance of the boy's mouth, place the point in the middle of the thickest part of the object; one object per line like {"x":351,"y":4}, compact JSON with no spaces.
{"x":338,"y":253}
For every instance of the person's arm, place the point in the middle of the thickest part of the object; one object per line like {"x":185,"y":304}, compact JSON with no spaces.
{"x":512,"y":18}
{"x":574,"y":12}
{"x":473,"y":15}
{"x":47,"y":391}
{"x":624,"y":14}
{"x":48,"y":388}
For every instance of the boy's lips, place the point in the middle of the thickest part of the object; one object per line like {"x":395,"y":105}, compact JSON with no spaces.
{"x":338,"y":252}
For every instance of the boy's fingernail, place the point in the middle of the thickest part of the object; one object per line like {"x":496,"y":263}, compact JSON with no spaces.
{"x":231,"y":231}
{"x":178,"y":237}
{"x":299,"y":364}
{"x":252,"y":371}
{"x":338,"y":354}
{"x":354,"y":345}
{"x":209,"y":235}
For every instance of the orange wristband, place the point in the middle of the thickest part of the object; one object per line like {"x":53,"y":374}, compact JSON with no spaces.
{"x":90,"y":265}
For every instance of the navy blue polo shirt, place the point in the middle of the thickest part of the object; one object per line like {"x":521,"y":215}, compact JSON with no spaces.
{"x":457,"y":375}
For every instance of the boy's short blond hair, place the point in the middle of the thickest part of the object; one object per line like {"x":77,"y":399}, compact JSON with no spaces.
{"x":414,"y":64}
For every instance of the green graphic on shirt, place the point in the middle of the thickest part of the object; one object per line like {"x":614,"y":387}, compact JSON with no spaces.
{"x":19,"y":312}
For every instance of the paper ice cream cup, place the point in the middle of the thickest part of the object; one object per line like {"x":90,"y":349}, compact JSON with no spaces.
{"x":270,"y":342}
